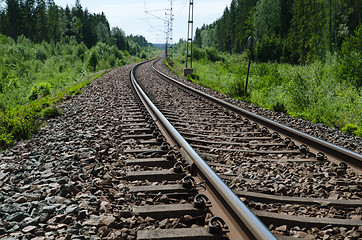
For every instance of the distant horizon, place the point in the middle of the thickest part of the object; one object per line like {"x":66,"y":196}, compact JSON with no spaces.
{"x":132,"y":19}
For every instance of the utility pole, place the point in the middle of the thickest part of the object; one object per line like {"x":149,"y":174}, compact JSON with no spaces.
{"x":190,"y":32}
{"x":170,"y":35}
{"x":166,"y":45}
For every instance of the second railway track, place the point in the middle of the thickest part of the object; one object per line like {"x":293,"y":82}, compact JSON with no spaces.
{"x":293,"y":187}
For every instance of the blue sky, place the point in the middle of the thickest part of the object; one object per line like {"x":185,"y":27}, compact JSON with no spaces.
{"x":131,"y":17}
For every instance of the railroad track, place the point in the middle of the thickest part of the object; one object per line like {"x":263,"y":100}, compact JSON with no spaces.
{"x":297,"y":185}
{"x":174,"y":187}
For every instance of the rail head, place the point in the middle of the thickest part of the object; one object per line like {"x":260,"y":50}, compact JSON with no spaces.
{"x":240,"y":210}
{"x":334,"y":152}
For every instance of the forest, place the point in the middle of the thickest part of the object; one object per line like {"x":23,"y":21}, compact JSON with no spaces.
{"x":296,"y":31}
{"x":306,"y":59}
{"x":48,"y":53}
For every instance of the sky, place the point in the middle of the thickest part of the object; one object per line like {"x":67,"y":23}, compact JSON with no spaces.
{"x":130,"y":16}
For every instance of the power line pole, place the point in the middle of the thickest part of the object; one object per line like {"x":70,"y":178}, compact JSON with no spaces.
{"x":190,"y":32}
{"x":166,"y":45}
{"x":171,"y":35}
{"x":168,"y":26}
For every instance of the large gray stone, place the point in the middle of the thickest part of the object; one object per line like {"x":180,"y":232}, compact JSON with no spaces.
{"x":17,"y":217}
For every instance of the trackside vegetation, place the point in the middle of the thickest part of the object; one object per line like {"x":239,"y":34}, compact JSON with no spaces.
{"x":48,"y":53}
{"x":34,"y":76}
{"x":319,"y":92}
{"x":306,"y":61}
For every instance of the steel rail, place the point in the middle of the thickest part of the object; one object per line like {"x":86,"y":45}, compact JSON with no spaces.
{"x":238,"y":209}
{"x":333,"y":152}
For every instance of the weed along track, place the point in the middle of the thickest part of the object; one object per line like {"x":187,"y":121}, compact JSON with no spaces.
{"x":136,"y":156}
{"x":296,"y":184}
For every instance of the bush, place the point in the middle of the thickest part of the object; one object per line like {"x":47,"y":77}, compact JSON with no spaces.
{"x":19,"y":124}
{"x":81,"y":50}
{"x":358,"y":132}
{"x":6,"y":139}
{"x":51,"y":112}
{"x":350,"y":58}
{"x":112,"y":60}
{"x":198,"y":53}
{"x":350,"y":128}
{"x":213,"y":55}
{"x":297,"y":89}
{"x":279,"y":107}
{"x":75,"y":90}
{"x":143,"y":55}
{"x":236,"y":89}
{"x":192,"y":76}
{"x":40,"y":54}
{"x":269,"y":49}
{"x":39,"y":90}
{"x":93,"y":60}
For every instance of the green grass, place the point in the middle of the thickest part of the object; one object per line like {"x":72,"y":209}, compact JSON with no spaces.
{"x":35,"y":76}
{"x":313,"y":92}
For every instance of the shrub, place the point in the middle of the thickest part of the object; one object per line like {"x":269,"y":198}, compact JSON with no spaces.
{"x":358,"y":132}
{"x":42,"y":89}
{"x":6,"y":40}
{"x":279,"y":107}
{"x":75,"y":90}
{"x":143,"y":55}
{"x":40,"y":53}
{"x":350,"y":128}
{"x":2,"y":106}
{"x":297,"y":89}
{"x":6,"y":139}
{"x":198,"y":53}
{"x":350,"y":59}
{"x":51,"y":112}
{"x":236,"y":88}
{"x":93,"y":61}
{"x":192,"y":76}
{"x":81,"y":50}
{"x":112,"y":60}
{"x":213,"y":55}
{"x":19,"y":124}
{"x":269,"y":49}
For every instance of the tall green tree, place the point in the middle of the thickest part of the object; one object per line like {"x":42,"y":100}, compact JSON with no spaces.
{"x":119,"y":37}
{"x":244,"y":23}
{"x":285,"y":16}
{"x":198,"y":40}
{"x":54,"y":29}
{"x":306,"y":28}
{"x":41,"y":21}
{"x":12,"y":15}
{"x":267,"y":18}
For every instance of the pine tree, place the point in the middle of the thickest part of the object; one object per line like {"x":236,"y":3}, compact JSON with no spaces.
{"x":13,"y":14}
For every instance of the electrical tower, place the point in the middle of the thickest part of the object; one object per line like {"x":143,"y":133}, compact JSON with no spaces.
{"x":189,"y":70}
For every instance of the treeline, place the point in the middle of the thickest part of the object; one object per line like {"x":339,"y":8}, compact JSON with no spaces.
{"x":43,"y":20}
{"x":299,"y":31}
